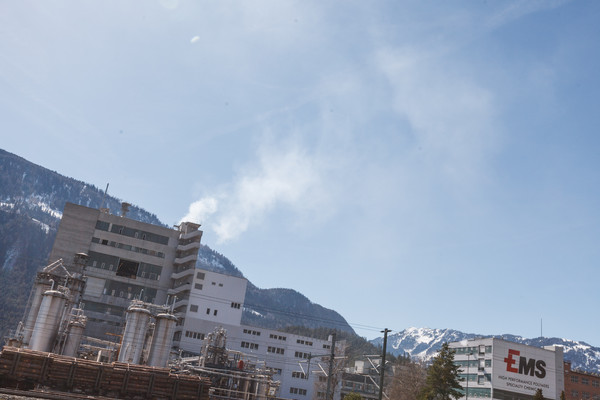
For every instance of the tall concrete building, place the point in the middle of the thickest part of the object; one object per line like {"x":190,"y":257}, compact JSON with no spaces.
{"x":127,"y":260}
{"x":498,"y":369}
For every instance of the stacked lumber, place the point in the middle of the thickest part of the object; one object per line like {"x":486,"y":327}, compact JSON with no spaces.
{"x":119,"y":380}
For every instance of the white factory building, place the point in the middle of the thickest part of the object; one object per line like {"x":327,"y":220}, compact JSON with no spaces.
{"x":143,"y":272}
{"x":498,"y":369}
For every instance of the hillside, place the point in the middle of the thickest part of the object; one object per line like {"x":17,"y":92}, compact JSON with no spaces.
{"x":31,"y":202}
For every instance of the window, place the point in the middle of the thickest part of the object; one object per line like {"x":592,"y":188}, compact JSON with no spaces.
{"x":585,"y":381}
{"x":298,"y":374}
{"x":200,"y":276}
{"x":198,"y":286}
{"x":299,"y":391}
{"x":220,"y":285}
{"x":236,"y":305}
{"x":276,"y":350}
{"x":327,"y":346}
{"x":193,"y":308}
{"x":127,"y":268}
{"x":574,"y":379}
{"x":595,"y":383}
{"x":249,"y":345}
{"x":208,"y":311}
{"x":300,"y":354}
{"x":215,"y":313}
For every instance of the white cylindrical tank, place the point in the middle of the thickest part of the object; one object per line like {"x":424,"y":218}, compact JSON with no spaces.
{"x":48,"y":320}
{"x":36,"y":301}
{"x":162,"y":340}
{"x":136,"y":325}
{"x":75,"y":332}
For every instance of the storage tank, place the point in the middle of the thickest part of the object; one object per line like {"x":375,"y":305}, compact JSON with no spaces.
{"x":162,"y":340}
{"x":36,"y":302}
{"x":136,"y":325}
{"x":75,"y":328}
{"x":48,"y":320}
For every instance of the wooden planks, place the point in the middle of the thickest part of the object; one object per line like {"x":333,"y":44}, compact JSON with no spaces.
{"x":119,"y":380}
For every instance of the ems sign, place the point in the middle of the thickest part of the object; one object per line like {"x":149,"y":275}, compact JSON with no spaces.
{"x":526,"y":366}
{"x":523,"y":369}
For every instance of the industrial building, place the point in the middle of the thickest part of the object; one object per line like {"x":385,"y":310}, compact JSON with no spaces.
{"x":498,"y":369}
{"x":130,"y":291}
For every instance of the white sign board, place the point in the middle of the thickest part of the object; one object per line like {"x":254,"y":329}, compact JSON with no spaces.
{"x":524,"y":369}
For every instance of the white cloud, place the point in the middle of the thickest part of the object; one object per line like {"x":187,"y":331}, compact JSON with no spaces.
{"x":195,"y":39}
{"x":283,"y":176}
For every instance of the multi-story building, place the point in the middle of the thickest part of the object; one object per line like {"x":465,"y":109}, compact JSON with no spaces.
{"x":127,"y":260}
{"x":131,"y":260}
{"x":498,"y":369}
{"x":580,"y":385}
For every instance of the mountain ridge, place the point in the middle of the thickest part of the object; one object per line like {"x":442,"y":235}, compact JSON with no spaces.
{"x":424,"y":343}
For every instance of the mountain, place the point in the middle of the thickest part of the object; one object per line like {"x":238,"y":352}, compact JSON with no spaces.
{"x":424,"y":343}
{"x":31,"y":202}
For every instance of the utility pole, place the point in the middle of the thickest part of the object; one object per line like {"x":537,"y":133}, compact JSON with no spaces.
{"x":331,"y":358}
{"x":382,"y":366}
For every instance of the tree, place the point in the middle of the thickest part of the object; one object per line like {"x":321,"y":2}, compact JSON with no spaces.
{"x":442,"y":381}
{"x":538,"y":395}
{"x":562,"y":395}
{"x":408,"y":381}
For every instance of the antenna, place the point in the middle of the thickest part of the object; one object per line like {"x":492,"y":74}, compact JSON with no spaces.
{"x":541,"y":327}
{"x":104,"y":197}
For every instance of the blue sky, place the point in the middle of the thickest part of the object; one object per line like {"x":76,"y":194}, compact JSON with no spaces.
{"x":429,"y":164}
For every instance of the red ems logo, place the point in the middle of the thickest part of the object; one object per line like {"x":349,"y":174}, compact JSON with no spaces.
{"x":526,"y":366}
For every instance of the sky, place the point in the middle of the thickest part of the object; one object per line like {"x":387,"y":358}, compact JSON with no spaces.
{"x":405,"y":163}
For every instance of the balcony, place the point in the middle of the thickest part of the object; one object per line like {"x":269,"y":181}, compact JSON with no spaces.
{"x":189,"y":246}
{"x":191,"y":235}
{"x":183,"y":273}
{"x":179,"y":289}
{"x":187,"y":259}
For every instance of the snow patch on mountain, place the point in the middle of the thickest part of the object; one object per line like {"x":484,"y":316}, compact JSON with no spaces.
{"x":424,"y":343}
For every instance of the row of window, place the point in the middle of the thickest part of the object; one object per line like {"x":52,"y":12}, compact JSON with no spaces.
{"x":275,"y":350}
{"x":194,"y":335}
{"x":585,"y":380}
{"x":236,"y":305}
{"x":251,"y":332}
{"x":298,"y":374}
{"x":299,"y":391}
{"x":306,"y":342}
{"x":473,"y":349}
{"x":194,"y":308}
{"x":128,"y":247}
{"x":249,"y":345}
{"x":584,"y":395}
{"x":278,"y":337}
{"x":473,"y":363}
{"x":130,"y":232}
{"x":300,"y":354}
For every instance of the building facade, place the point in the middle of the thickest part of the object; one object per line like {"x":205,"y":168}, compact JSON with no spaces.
{"x":498,"y":369}
{"x":127,"y":260}
{"x":580,"y":385}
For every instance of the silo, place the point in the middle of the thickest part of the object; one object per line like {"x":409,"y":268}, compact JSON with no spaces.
{"x":36,"y":301}
{"x":48,"y":320}
{"x":76,"y":327}
{"x":136,"y":325}
{"x":162,"y":340}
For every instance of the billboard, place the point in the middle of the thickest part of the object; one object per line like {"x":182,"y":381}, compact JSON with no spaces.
{"x":524,"y":369}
